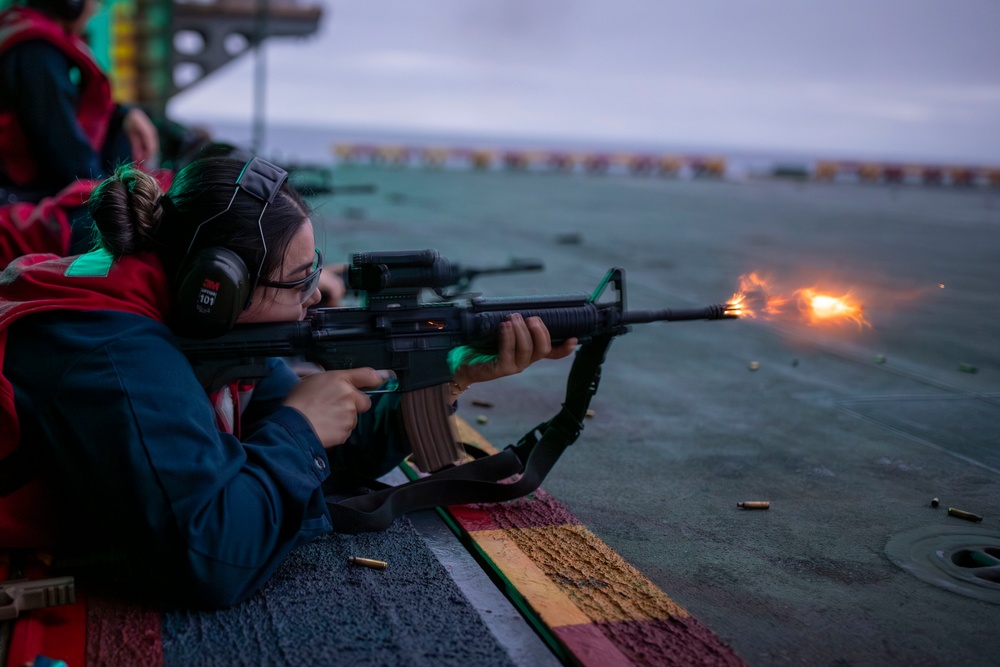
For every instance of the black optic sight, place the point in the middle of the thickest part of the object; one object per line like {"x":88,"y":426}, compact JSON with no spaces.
{"x":399,"y":270}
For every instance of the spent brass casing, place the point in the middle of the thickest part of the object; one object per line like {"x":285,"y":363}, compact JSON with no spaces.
{"x":368,"y":562}
{"x":962,"y":514}
{"x":755,"y":504}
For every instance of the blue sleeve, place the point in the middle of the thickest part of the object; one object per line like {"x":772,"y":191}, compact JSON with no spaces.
{"x":270,"y":392}
{"x":214,"y":514}
{"x":45,"y":104}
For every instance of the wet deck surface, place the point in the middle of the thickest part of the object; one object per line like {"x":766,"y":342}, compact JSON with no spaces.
{"x":848,"y":431}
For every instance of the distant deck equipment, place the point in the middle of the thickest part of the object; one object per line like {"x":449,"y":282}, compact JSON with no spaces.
{"x":159,"y":48}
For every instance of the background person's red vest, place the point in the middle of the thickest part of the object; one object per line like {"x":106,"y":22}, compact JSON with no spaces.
{"x":45,"y":227}
{"x":95,"y":108}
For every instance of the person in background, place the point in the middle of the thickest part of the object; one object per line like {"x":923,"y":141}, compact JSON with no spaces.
{"x":126,"y":457}
{"x":58,"y":121}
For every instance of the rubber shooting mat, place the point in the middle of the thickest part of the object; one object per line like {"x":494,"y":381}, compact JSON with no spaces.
{"x":318,"y":609}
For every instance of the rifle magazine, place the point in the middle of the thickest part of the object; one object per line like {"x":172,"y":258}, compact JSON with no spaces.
{"x":429,"y":425}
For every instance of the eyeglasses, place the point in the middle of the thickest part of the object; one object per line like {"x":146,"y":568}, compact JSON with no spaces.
{"x":305,"y":285}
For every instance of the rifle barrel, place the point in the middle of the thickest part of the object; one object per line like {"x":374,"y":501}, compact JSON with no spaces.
{"x":716,"y":311}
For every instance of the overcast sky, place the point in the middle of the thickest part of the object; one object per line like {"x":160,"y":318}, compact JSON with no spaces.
{"x":872,"y":78}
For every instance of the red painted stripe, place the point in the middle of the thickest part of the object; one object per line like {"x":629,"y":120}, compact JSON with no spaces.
{"x":59,"y":633}
{"x":590,"y":647}
{"x":92,"y":632}
{"x":567,"y":576}
{"x":669,"y":641}
{"x":123,"y":634}
{"x":535,"y":511}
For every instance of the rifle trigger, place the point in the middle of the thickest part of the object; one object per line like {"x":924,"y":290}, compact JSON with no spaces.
{"x":391,"y":386}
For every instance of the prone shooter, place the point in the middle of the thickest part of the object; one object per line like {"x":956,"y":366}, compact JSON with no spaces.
{"x":422,"y":343}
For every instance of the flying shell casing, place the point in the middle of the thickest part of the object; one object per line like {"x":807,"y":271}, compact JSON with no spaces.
{"x":755,"y":504}
{"x":368,"y":562}
{"x":962,"y":514}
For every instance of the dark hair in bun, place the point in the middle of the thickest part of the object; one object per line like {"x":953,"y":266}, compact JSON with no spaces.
{"x":132,"y":214}
{"x":126,"y":212}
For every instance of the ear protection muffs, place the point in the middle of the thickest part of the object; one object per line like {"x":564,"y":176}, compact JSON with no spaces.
{"x":214,"y":284}
{"x":69,"y":10}
{"x":212,"y":290}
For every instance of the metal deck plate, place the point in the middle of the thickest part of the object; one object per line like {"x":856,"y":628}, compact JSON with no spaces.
{"x":964,"y":560}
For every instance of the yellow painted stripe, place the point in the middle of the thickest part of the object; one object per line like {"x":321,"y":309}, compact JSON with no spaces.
{"x":578,"y":592}
{"x":544,"y":596}
{"x":585,"y":571}
{"x":582,"y":567}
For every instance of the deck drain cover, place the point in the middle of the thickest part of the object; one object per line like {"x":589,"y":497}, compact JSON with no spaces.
{"x":964,"y":560}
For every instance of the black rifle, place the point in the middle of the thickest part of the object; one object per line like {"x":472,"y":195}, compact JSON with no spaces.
{"x":394,"y":330}
{"x":462,"y":277}
{"x":453,"y":280}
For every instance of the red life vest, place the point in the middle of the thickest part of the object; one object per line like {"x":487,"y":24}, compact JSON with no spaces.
{"x":39,"y":283}
{"x":95,"y":106}
{"x":45,"y":227}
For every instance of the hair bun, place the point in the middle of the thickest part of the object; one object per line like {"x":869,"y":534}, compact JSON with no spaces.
{"x":126,"y":209}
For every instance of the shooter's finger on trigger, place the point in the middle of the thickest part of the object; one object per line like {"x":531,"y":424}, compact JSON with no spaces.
{"x":362,"y":403}
{"x":361,"y":378}
{"x":367,"y":378}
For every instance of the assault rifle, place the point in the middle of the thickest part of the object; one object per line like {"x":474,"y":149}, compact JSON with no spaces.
{"x":454,"y":280}
{"x":462,"y":277}
{"x":394,"y":330}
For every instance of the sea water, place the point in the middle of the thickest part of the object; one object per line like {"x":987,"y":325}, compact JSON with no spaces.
{"x":315,"y":145}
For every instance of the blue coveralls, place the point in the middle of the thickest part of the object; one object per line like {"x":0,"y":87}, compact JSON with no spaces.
{"x":116,"y":419}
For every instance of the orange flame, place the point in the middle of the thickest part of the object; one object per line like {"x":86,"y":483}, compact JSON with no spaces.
{"x":755,"y":296}
{"x":820,"y":308}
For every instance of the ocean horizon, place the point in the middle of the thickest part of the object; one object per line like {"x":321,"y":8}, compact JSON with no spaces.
{"x":314,"y":145}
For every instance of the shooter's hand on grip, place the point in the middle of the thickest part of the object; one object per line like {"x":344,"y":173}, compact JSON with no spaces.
{"x":332,"y":400}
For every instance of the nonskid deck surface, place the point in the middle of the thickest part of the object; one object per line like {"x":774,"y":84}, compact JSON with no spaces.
{"x":848,"y":432}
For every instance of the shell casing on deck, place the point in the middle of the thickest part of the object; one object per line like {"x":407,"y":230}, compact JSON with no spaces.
{"x":755,"y":504}
{"x":368,"y":562}
{"x":962,"y":514}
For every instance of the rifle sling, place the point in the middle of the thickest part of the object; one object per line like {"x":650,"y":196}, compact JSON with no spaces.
{"x":487,"y":479}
